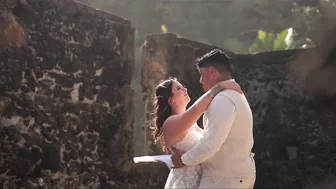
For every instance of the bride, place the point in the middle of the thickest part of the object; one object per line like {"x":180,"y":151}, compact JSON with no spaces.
{"x":176,"y":127}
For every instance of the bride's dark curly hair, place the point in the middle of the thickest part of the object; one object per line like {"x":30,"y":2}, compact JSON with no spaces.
{"x":162,"y":109}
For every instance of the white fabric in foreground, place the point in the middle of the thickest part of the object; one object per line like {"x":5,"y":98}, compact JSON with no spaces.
{"x":163,"y":158}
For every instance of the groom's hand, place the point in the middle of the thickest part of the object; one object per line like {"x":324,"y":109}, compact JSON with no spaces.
{"x":176,"y":158}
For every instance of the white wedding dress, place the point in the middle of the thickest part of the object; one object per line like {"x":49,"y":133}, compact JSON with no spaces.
{"x":188,"y":176}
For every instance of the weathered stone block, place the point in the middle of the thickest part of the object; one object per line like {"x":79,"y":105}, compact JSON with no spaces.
{"x":65,"y":98}
{"x":285,"y":116}
{"x":150,"y":174}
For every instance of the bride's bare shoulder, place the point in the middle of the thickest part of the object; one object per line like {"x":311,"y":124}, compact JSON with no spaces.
{"x":171,"y":120}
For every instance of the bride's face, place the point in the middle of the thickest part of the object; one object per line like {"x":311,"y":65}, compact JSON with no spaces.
{"x":179,"y":94}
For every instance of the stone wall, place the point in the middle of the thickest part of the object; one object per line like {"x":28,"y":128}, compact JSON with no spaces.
{"x":294,"y":131}
{"x":66,"y":105}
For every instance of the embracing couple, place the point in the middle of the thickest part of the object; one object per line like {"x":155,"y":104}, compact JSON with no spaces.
{"x":220,"y":155}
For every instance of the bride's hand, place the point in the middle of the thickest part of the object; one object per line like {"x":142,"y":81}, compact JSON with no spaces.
{"x":231,"y":84}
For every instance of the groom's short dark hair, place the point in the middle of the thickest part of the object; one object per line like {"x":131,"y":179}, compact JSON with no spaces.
{"x":215,"y":58}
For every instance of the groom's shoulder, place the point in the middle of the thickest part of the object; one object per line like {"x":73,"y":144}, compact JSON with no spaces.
{"x":225,"y":95}
{"x":230,"y":93}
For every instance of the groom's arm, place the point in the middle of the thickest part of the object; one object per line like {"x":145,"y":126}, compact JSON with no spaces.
{"x":198,"y":129}
{"x":221,"y":114}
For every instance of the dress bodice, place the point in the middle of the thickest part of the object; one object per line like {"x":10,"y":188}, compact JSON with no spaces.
{"x":188,"y":176}
{"x":189,"y":141}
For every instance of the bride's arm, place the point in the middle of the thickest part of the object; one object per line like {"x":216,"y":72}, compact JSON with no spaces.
{"x":180,"y":123}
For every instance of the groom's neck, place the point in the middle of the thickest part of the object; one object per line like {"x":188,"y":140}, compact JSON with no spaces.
{"x":221,"y":78}
{"x":224,"y":78}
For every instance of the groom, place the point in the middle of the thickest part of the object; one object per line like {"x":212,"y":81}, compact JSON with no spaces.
{"x":224,"y":151}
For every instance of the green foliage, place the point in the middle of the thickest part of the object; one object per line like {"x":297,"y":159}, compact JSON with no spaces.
{"x":268,"y":41}
{"x":235,"y":45}
{"x":231,"y":24}
{"x":284,"y":40}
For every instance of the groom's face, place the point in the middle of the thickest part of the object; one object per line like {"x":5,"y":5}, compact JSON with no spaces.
{"x":205,"y":78}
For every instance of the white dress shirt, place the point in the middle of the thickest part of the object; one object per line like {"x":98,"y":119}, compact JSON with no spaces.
{"x":225,"y":147}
